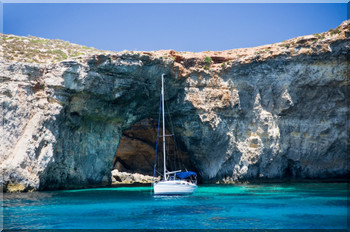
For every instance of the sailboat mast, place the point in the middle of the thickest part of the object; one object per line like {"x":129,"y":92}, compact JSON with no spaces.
{"x":165,"y":177}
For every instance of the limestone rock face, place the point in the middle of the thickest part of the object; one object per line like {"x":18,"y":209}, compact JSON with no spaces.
{"x":275,"y":111}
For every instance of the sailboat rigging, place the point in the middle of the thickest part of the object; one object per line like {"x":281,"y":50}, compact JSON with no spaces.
{"x":173,"y":182}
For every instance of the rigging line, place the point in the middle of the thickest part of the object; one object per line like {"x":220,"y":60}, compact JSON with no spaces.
{"x":155,"y":158}
{"x":177,"y":154}
{"x":175,"y":150}
{"x":169,"y":119}
{"x":181,"y":158}
{"x":169,"y":157}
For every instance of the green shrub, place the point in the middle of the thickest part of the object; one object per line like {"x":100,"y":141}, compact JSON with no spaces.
{"x":38,"y":41}
{"x":334,"y":31}
{"x":208,"y":59}
{"x":206,"y":67}
{"x":60,"y":53}
{"x":286,"y":45}
{"x":319,"y":36}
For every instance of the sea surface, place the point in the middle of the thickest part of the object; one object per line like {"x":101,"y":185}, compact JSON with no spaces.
{"x":261,"y":206}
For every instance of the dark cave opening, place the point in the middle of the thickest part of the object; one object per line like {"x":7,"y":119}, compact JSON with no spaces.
{"x":136,"y":151}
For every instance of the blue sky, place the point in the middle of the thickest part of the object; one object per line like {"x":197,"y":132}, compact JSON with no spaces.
{"x":182,"y":27}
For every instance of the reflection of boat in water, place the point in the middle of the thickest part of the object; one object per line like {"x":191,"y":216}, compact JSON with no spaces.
{"x":175,"y":182}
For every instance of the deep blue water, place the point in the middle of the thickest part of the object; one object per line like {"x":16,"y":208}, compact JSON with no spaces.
{"x":263,"y":206}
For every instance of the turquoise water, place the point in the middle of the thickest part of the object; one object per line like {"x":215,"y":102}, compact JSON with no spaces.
{"x":263,"y":206}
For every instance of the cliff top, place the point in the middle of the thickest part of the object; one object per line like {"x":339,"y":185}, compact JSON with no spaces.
{"x":33,"y":49}
{"x":39,"y":50}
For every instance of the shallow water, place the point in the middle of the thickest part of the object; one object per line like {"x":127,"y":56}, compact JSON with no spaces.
{"x":263,"y":206}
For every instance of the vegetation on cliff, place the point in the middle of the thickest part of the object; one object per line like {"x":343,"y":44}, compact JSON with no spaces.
{"x":33,"y":49}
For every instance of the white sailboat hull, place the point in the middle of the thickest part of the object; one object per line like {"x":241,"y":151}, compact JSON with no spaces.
{"x":174,"y":187}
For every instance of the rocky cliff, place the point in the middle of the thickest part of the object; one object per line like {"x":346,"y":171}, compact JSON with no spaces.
{"x":270,"y":112}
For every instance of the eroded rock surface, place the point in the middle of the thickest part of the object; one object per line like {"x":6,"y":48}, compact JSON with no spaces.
{"x":275,"y":111}
{"x":131,"y":178}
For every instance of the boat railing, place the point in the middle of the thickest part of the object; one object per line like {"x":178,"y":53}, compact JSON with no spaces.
{"x":173,"y":172}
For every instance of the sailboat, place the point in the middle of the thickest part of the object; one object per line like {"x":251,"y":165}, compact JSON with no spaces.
{"x":173,"y":182}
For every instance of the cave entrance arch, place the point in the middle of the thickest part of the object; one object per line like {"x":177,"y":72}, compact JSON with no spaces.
{"x":136,"y":150}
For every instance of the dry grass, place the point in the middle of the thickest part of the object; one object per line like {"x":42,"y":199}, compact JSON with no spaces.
{"x":38,"y":50}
